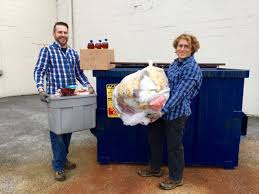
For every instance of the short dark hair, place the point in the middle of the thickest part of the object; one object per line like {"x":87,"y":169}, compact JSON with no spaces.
{"x":59,"y":23}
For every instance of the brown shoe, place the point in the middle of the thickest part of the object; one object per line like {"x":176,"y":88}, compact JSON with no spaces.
{"x":169,"y":184}
{"x":148,"y":172}
{"x":69,"y":165}
{"x":60,"y":175}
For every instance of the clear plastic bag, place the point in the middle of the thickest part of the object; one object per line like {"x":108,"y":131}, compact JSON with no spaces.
{"x":140,"y":96}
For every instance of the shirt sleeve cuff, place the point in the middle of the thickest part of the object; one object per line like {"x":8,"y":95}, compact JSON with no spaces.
{"x":86,"y":84}
{"x":40,"y":86}
{"x":165,"y":110}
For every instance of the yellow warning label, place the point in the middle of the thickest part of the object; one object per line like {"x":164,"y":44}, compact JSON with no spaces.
{"x":111,"y":112}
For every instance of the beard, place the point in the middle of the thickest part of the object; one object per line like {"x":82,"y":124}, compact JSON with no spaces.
{"x":62,"y":41}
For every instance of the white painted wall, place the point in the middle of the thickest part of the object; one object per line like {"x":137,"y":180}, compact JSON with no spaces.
{"x":25,"y":26}
{"x":65,"y":14}
{"x":140,"y":30}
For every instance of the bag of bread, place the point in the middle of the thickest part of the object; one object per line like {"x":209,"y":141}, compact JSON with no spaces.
{"x":140,"y":95}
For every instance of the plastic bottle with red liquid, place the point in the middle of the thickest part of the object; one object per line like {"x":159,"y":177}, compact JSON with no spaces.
{"x":105,"y":44}
{"x":98,"y":45}
{"x":90,"y":45}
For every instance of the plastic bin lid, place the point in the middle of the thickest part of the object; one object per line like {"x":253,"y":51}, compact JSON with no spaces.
{"x":52,"y":98}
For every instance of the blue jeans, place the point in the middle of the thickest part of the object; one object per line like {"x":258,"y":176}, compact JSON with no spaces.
{"x":60,"y":145}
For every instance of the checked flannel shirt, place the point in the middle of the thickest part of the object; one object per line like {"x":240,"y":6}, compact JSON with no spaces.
{"x":185,"y":78}
{"x":61,"y":69}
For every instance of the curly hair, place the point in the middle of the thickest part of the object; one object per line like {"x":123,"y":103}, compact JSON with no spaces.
{"x":192,"y":40}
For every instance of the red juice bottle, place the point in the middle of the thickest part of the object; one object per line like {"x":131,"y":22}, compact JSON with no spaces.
{"x":98,"y":45}
{"x":90,"y":45}
{"x":105,"y":44}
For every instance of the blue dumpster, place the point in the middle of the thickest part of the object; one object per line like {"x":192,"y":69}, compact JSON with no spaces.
{"x":212,"y":133}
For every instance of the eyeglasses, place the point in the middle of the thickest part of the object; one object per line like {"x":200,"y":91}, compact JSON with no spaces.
{"x":186,"y":46}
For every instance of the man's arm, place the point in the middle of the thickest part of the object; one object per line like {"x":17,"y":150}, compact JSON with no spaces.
{"x":40,"y":69}
{"x":186,"y":85}
{"x":80,"y":76}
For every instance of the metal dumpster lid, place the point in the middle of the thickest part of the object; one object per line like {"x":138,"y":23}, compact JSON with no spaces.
{"x":208,"y":70}
{"x":160,"y":64}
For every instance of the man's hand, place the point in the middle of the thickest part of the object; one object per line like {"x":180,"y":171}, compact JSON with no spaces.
{"x":90,"y":89}
{"x":161,"y":113}
{"x":155,"y":116}
{"x":44,"y":97}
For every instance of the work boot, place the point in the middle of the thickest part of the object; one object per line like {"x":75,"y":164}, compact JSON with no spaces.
{"x":60,"y":175}
{"x":148,"y":172}
{"x":69,"y":165}
{"x":169,"y":184}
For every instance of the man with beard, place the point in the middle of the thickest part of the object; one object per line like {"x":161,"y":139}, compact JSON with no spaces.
{"x":60,"y":64}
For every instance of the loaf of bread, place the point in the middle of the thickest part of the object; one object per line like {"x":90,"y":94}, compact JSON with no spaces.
{"x":130,"y":85}
{"x":157,"y":75}
{"x":140,"y":95}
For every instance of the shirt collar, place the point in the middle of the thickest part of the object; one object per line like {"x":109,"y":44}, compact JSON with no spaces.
{"x":56,"y":44}
{"x":185,"y":61}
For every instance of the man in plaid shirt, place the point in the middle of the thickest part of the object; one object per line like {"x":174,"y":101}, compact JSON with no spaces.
{"x":185,"y":78}
{"x":60,"y":65}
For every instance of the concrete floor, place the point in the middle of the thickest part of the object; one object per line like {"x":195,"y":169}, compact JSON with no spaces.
{"x":25,"y":157}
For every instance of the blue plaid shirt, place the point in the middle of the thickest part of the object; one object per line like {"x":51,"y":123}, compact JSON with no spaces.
{"x":61,"y":69}
{"x":185,"y":78}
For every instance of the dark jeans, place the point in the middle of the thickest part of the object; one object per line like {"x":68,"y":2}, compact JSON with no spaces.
{"x":173,"y":131}
{"x":60,"y":145}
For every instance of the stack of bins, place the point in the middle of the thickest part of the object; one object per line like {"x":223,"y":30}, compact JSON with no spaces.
{"x":212,"y":134}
